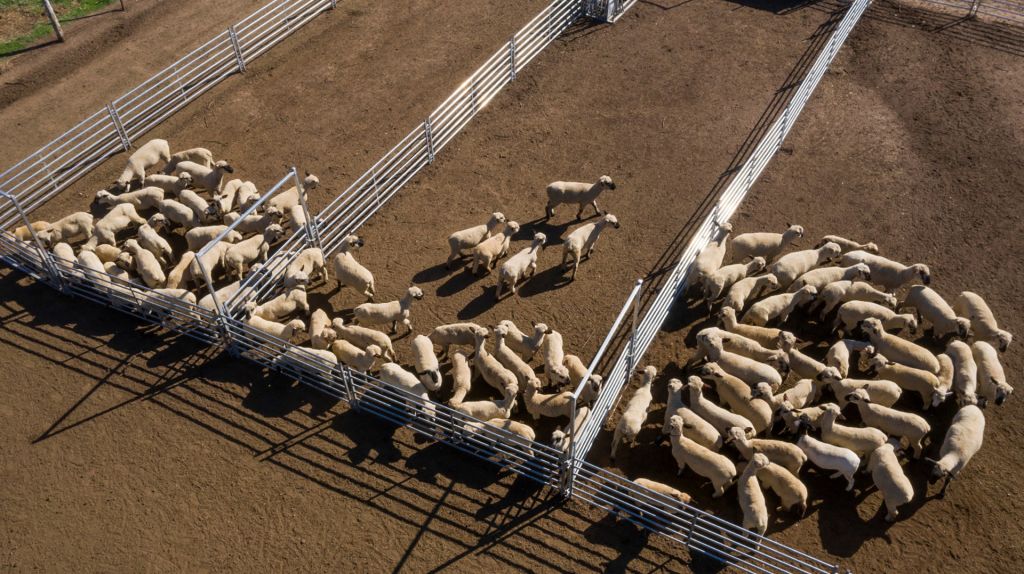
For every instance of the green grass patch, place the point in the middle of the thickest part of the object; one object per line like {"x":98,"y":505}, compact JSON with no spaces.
{"x":66,"y":10}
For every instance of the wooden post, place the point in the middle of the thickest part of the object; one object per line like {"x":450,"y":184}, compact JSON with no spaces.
{"x":53,"y":19}
{"x":122,"y":6}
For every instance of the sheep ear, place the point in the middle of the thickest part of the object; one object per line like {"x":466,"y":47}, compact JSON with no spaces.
{"x":749,"y":430}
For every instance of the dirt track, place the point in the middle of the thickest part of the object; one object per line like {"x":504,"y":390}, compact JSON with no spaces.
{"x":373,"y":497}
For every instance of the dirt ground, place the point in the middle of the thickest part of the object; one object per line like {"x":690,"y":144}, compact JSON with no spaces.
{"x":714,"y":68}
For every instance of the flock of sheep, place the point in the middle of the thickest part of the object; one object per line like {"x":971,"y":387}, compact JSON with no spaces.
{"x":764,"y":380}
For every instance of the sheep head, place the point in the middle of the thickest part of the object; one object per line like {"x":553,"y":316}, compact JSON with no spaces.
{"x":224,"y":166}
{"x":310,"y":181}
{"x":922,"y":271}
{"x":606,"y":181}
{"x":414,"y":292}
{"x":158,"y":221}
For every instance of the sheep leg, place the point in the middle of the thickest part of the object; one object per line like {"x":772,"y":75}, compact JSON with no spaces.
{"x":579,"y":214}
{"x":549,"y":210}
{"x":394,"y":326}
{"x":408,"y":324}
{"x":575,"y":266}
{"x":596,"y":209}
{"x":501,"y":283}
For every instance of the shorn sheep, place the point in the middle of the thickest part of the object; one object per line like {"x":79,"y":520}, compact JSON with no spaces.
{"x":749,"y":370}
{"x":285,"y":200}
{"x":199,"y":155}
{"x":822,"y":276}
{"x":965,"y":372}
{"x":635,"y":413}
{"x":862,"y":441}
{"x":738,"y":344}
{"x":888,"y":476}
{"x":146,"y":265}
{"x":765,"y":244}
{"x":826,"y":456}
{"x":283,"y":305}
{"x":287,"y":331}
{"x":737,"y":395}
{"x":972,"y":307}
{"x":150,"y":239}
{"x":992,"y":385}
{"x":749,"y":289}
{"x":425,"y":362}
{"x":726,"y":276}
{"x":710,"y":258}
{"x":209,"y":178}
{"x":887,"y":273}
{"x":581,"y":194}
{"x":897,"y":349}
{"x":466,"y":239}
{"x":145,"y":198}
{"x":791,"y":266}
{"x":849,"y":245}
{"x":907,"y":426}
{"x":751,"y":499}
{"x":496,"y":409}
{"x":463,"y":334}
{"x":517,"y":266}
{"x":784,"y":454}
{"x":355,"y":358}
{"x":803,"y":365}
{"x":509,"y":359}
{"x":851,"y":313}
{"x":321,"y":335}
{"x":363,"y":337}
{"x":962,"y":441}
{"x":349,"y":272}
{"x":779,"y":306}
{"x":490,"y":368}
{"x":393,"y":312}
{"x":75,"y":227}
{"x":577,"y":371}
{"x":462,"y":377}
{"x":790,"y":490}
{"x":705,"y":462}
{"x":700,"y":430}
{"x":526,"y":345}
{"x":766,"y":336}
{"x":924,"y":383}
{"x":838,"y":292}
{"x":554,"y":359}
{"x":490,"y":250}
{"x":881,"y":392}
{"x":198,"y":237}
{"x":562,"y":438}
{"x":932,"y":308}
{"x":663,"y":489}
{"x":146,"y":156}
{"x":547,"y":405}
{"x":582,"y":241}
{"x":119,"y":219}
{"x":255,"y":223}
{"x":722,"y":419}
{"x":394,"y":375}
{"x":240,"y":256}
{"x":309,"y":261}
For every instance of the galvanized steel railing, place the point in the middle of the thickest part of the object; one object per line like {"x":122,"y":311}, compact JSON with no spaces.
{"x":1011,"y":11}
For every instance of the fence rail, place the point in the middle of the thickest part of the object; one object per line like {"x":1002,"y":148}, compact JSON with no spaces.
{"x":1011,"y":11}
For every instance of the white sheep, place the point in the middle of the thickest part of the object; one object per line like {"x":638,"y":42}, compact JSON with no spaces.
{"x":635,"y":413}
{"x":740,"y":345}
{"x":349,"y":272}
{"x":924,"y":383}
{"x":178,"y":213}
{"x":738,"y":396}
{"x":486,"y":410}
{"x":285,"y":200}
{"x":720,"y":418}
{"x":882,"y":392}
{"x":364,"y":337}
{"x":209,"y":178}
{"x":146,"y":265}
{"x":897,"y":349}
{"x":226,"y":198}
{"x":394,"y":375}
{"x":581,"y":194}
{"x":663,"y":489}
{"x":489,"y":367}
{"x":749,"y":370}
{"x":766,"y":336}
{"x":150,"y":239}
{"x":490,"y":250}
{"x":702,"y":431}
{"x":779,"y":306}
{"x":851,"y":313}
{"x":75,"y":227}
{"x":521,"y":434}
{"x":463,"y":334}
{"x":321,"y":335}
{"x":516,"y":267}
{"x":305,"y":359}
{"x":562,"y":438}
{"x":838,"y":292}
{"x":785,"y":454}
{"x":181,"y":274}
{"x":145,"y":198}
{"x":826,"y":456}
{"x":554,"y":359}
{"x":946,"y":371}
{"x":526,"y":345}
{"x":65,"y":255}
{"x":255,"y":223}
{"x":121,"y":218}
{"x":726,"y":276}
{"x":201,"y":208}
{"x":247,"y":196}
{"x":705,"y":462}
{"x":509,"y":359}
{"x":577,"y":370}
{"x":889,"y":478}
{"x":848,"y":245}
{"x":765,"y":244}
{"x":582,"y":241}
{"x":296,"y":217}
{"x":198,"y":237}
{"x":965,"y":372}
{"x":355,"y":357}
{"x":992,"y":385}
{"x":212,"y":260}
{"x":838,"y":355}
{"x":309,"y":261}
{"x":803,"y":393}
{"x":983,"y":322}
{"x":887,"y":273}
{"x":295,"y":299}
{"x":143,"y":158}
{"x":393,"y":312}
{"x":790,"y":490}
{"x":751,"y":499}
{"x":907,"y":426}
{"x":748,"y":289}
{"x":792,"y":416}
{"x":462,"y":377}
{"x":931,"y":307}
{"x":710,"y":257}
{"x":23,"y":234}
{"x":547,"y":405}
{"x":861,"y":440}
{"x":239,"y":256}
{"x":425,"y":362}
{"x":791,"y":266}
{"x":286,"y":331}
{"x":962,"y":441}
{"x":106,"y":253}
{"x":200,"y":155}
{"x":466,"y":239}
{"x":168,"y":183}
{"x":800,"y":363}
{"x":822,"y":276}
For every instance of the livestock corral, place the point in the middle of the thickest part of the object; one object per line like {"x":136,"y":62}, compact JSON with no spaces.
{"x":402,"y":294}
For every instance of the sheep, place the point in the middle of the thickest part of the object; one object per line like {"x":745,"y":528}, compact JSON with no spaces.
{"x":562,"y":438}
{"x":206,"y":212}
{"x":199,"y":155}
{"x":554,"y":359}
{"x":118,"y":219}
{"x":889,"y":478}
{"x":791,"y":266}
{"x":394,"y":375}
{"x":839,"y":292}
{"x":146,"y":265}
{"x":710,"y":257}
{"x":354,"y":357}
{"x":790,"y":490}
{"x":887,"y":273}
{"x":485,"y":410}
{"x":296,"y":217}
{"x":526,"y":345}
{"x":965,"y":372}
{"x":488,"y":367}
{"x":462,"y":377}
{"x":705,"y":462}
{"x":464,"y":334}
{"x":720,"y":418}
{"x":803,"y":365}
{"x":582,"y":194}
{"x":755,"y":511}
{"x":391,"y":312}
{"x":848,"y":245}
{"x":547,"y":405}
{"x":726,"y":276}
{"x":66,"y":258}
{"x":766,"y":336}
{"x":882,"y":392}
{"x":826,"y":456}
{"x":972,"y":307}
{"x":225,"y":293}
{"x":931,"y":307}
{"x":509,"y":359}
{"x":635,"y":413}
{"x":923,"y":383}
{"x":662,"y":489}
{"x":182,"y":273}
{"x":209,"y":178}
{"x":283,"y":305}
{"x":700,"y":430}
{"x":901,"y":424}
{"x":577,"y":370}
{"x":349,"y":272}
{"x":749,"y":370}
{"x":106,"y":253}
{"x":737,"y":395}
{"x":897,"y":349}
{"x":785,"y":454}
{"x":211,"y":261}
{"x":286,"y":331}
{"x":363,"y":337}
{"x":254,"y":223}
{"x":150,"y":239}
{"x":89,"y":260}
{"x":862,"y":441}
{"x":226,"y":198}
{"x":765,"y":244}
{"x":851,"y":313}
{"x":748,"y":289}
{"x":522,"y":434}
{"x":515,"y":268}
{"x":992,"y":385}
{"x":466,"y":239}
{"x":309,"y":261}
{"x":582,"y":241}
{"x":321,"y":335}
{"x":290,"y":197}
{"x":740,"y":345}
{"x":425,"y":362}
{"x":792,"y":416}
{"x":22,"y":233}
{"x":168,"y":183}
{"x":945,"y":375}
{"x":198,"y":237}
{"x":962,"y":441}
{"x":300,"y":357}
{"x":778,"y":306}
{"x":178,"y":213}
{"x":239,"y":256}
{"x":803,"y":393}
{"x":145,"y":198}
{"x":247,"y":196}
{"x":822,"y":276}
{"x":143,"y":158}
{"x":75,"y":227}
{"x":490,"y":250}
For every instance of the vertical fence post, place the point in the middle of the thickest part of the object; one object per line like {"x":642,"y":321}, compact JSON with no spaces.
{"x":45,"y":257}
{"x":350,"y":391}
{"x":512,"y":58}
{"x":632,"y":338}
{"x":974,"y":9}
{"x":238,"y":48}
{"x":568,"y":459}
{"x":119,"y":127}
{"x":311,"y":228}
{"x":221,"y":316}
{"x":429,"y":139}
{"x":53,"y":20}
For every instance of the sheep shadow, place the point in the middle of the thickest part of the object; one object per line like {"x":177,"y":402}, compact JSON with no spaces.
{"x":368,"y":435}
{"x":436,"y":273}
{"x":458,"y":282}
{"x":480,"y":304}
{"x":551,"y":279}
